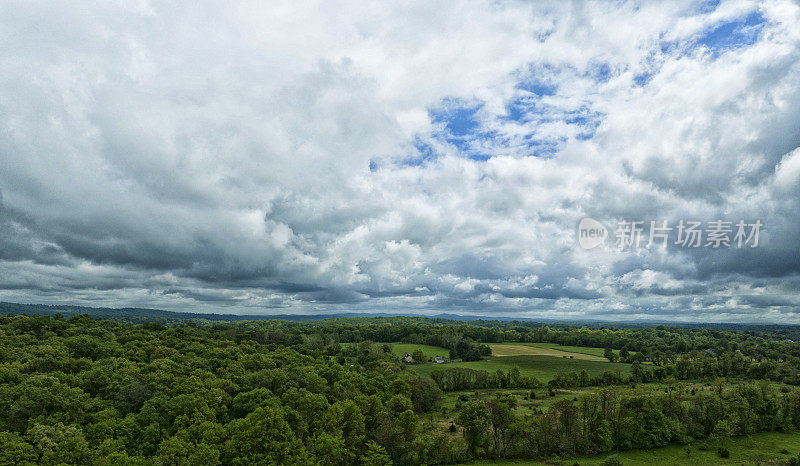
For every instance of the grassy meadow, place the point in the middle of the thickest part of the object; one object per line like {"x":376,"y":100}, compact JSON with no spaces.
{"x":429,"y":351}
{"x":542,"y":367}
{"x":541,"y":360}
{"x":751,"y":450}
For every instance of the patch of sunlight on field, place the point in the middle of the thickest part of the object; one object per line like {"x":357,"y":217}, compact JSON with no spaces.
{"x":525,"y":350}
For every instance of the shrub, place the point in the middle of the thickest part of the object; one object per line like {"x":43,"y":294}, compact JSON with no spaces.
{"x":723,"y":452}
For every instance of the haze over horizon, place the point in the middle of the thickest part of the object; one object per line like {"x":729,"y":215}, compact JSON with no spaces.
{"x":421,"y":158}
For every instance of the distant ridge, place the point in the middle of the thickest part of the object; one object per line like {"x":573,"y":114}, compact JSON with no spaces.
{"x":144,"y":314}
{"x":149,"y":314}
{"x":159,"y":315}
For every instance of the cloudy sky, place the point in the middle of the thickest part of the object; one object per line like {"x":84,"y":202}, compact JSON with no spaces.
{"x":427,"y":157}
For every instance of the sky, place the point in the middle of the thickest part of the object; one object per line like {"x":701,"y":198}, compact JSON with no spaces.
{"x":417,"y":157}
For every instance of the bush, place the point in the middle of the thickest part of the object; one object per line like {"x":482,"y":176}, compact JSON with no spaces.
{"x":612,"y":460}
{"x":452,"y":428}
{"x":723,"y":452}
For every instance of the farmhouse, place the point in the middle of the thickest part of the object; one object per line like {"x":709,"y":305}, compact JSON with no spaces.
{"x":407,"y":358}
{"x":438,"y":359}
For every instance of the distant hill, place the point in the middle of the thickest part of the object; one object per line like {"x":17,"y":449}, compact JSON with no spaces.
{"x":137,"y":313}
{"x":158,"y":315}
{"x":154,"y":314}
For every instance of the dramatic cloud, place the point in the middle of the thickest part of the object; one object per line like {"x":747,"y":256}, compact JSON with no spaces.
{"x":425,"y":157}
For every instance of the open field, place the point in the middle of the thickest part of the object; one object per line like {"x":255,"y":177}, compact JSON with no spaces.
{"x":398,"y":349}
{"x":430,"y":351}
{"x":522,"y":349}
{"x":743,"y":450}
{"x":525,"y":405}
{"x":543,"y":368}
{"x":572,"y":349}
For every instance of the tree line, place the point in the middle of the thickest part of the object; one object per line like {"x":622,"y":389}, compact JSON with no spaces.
{"x":90,"y":391}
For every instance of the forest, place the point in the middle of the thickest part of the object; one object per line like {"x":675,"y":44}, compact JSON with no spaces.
{"x":83,"y":390}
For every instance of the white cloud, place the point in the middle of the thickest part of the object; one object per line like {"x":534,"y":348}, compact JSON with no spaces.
{"x":202,"y":158}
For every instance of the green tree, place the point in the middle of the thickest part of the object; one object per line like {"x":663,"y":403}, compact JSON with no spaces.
{"x":263,"y":437}
{"x":375,"y":455}
{"x":59,"y":444}
{"x":331,"y":450}
{"x":177,"y":451}
{"x":15,"y":451}
{"x":407,"y":425}
{"x":474,"y":419}
{"x":344,"y":419}
{"x":425,"y":394}
{"x":501,"y":417}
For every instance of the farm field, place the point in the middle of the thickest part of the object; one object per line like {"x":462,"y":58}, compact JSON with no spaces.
{"x":532,"y":349}
{"x":750,"y":450}
{"x":543,"y":368}
{"x":568,"y":348}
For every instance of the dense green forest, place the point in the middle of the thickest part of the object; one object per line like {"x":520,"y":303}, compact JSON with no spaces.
{"x":92,"y":391}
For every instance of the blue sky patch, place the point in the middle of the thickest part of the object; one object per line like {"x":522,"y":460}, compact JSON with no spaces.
{"x":537,"y":87}
{"x":459,"y":118}
{"x":708,"y":6}
{"x":421,"y":152}
{"x":729,"y":35}
{"x":733,"y":34}
{"x":642,"y":79}
{"x":600,"y":72}
{"x":460,"y":124}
